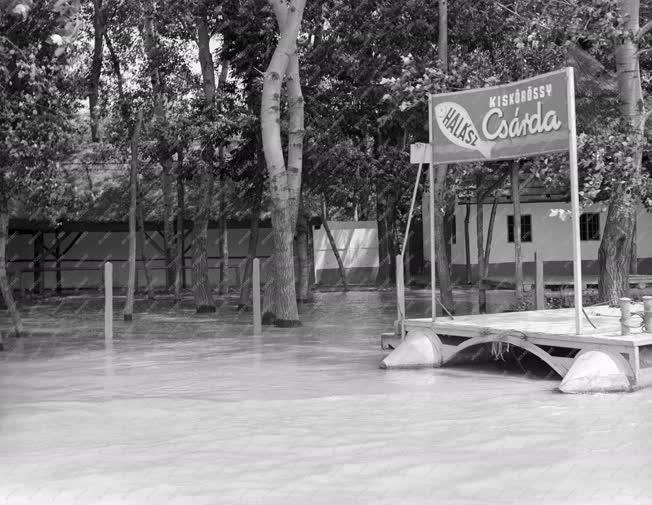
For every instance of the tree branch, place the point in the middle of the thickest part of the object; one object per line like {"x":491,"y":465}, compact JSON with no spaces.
{"x":641,"y":52}
{"x":643,"y":31}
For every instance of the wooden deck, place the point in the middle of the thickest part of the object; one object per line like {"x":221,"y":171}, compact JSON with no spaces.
{"x":549,"y":334}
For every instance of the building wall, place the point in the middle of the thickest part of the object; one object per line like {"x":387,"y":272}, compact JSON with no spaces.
{"x":82,"y":265}
{"x":551,"y":238}
{"x":357,"y":243}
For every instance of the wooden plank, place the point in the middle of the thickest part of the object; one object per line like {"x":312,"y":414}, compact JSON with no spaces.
{"x":153,"y":242}
{"x":72,"y":242}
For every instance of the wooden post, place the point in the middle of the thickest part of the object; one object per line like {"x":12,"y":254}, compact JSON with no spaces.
{"x":431,"y":210}
{"x":108,"y":303}
{"x":400,"y":293}
{"x":539,"y":292}
{"x":575,"y":202}
{"x":625,"y":315}
{"x":255,"y":279}
{"x":647,"y":313}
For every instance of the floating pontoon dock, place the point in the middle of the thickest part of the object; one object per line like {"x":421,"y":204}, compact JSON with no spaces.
{"x":548,"y":334}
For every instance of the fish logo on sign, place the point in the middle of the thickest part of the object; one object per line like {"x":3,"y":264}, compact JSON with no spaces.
{"x":455,"y":123}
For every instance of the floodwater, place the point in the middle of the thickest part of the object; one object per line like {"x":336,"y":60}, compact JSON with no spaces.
{"x":187,"y":409}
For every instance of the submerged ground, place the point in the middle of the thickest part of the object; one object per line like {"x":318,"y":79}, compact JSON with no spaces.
{"x":195,"y":409}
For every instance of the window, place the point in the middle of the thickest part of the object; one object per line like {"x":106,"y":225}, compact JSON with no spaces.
{"x":526,"y":228}
{"x":590,"y":226}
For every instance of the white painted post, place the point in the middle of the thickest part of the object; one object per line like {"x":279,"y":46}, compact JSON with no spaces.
{"x":255,"y":279}
{"x":431,"y":209}
{"x":625,"y":315}
{"x":575,"y":201}
{"x":400,"y":294}
{"x":108,"y":302}
{"x":647,"y":314}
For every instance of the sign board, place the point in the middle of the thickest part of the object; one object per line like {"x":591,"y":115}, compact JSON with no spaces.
{"x":523,"y":118}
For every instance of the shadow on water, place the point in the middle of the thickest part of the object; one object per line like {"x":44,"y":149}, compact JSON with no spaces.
{"x":510,"y":360}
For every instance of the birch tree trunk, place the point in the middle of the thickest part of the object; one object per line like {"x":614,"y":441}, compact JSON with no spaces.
{"x":5,"y":288}
{"x":614,"y":255}
{"x":518,"y":257}
{"x":284,"y":183}
{"x":128,"y":311}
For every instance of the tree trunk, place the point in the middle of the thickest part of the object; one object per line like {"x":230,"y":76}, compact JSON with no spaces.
{"x":153,"y":52}
{"x":490,"y":235}
{"x":479,"y":227}
{"x":57,"y":259}
{"x":633,"y":264}
{"x":614,"y":255}
{"x":143,"y":242}
{"x":201,"y":283}
{"x":518,"y":257}
{"x":245,"y":287}
{"x":168,"y":222}
{"x":128,"y":311}
{"x":96,"y":69}
{"x":223,"y":234}
{"x":5,"y":288}
{"x":384,"y":241}
{"x":269,"y":293}
{"x":331,"y":241}
{"x":467,"y":243}
{"x":115,"y":62}
{"x":283,"y":182}
{"x":303,"y":230}
{"x":180,"y":260}
{"x":443,"y":264}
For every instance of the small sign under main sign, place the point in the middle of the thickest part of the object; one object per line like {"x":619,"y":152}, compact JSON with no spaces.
{"x":514,"y":120}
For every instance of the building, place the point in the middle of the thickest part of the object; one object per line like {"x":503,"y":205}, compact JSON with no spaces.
{"x":542,"y":232}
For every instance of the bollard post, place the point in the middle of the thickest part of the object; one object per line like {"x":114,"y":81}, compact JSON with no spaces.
{"x":647,"y":314}
{"x":625,"y":315}
{"x":400,"y":294}
{"x":108,"y":303}
{"x":539,"y":291}
{"x":255,"y":279}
